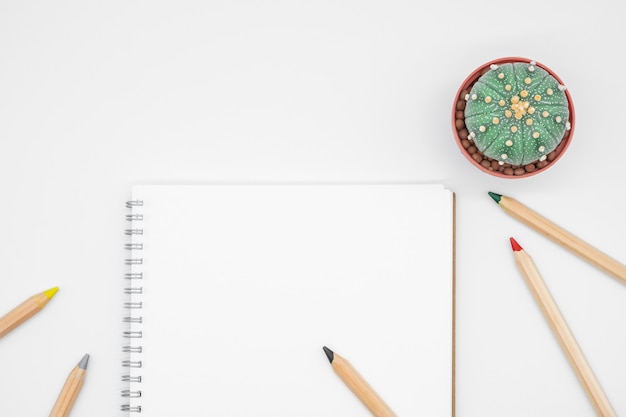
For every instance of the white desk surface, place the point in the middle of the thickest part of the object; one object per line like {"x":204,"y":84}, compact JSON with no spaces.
{"x":96,"y":96}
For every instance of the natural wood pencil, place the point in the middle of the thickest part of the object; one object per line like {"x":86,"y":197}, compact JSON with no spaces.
{"x":358,"y":385}
{"x":562,"y":332}
{"x":25,"y":310}
{"x":70,"y":390}
{"x":561,"y":236}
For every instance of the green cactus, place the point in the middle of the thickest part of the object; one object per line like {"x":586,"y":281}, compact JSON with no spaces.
{"x":517,"y":113}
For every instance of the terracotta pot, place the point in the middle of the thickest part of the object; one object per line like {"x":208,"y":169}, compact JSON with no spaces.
{"x":456,"y":128}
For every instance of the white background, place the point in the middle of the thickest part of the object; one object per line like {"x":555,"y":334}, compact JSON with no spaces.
{"x":96,"y":96}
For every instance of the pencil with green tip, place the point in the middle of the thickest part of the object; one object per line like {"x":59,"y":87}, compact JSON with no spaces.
{"x":561,"y":236}
{"x":561,"y":330}
{"x":26,"y":310}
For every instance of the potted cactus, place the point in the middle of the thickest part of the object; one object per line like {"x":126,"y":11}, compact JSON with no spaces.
{"x":513,"y":117}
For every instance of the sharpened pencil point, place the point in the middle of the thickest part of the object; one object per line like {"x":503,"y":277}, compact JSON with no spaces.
{"x":516,"y":247}
{"x":50,"y":293}
{"x":496,"y":197}
{"x":329,"y":354}
{"x":84,"y":362}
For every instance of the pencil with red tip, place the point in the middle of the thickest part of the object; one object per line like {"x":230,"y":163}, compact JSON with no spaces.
{"x":559,"y":327}
{"x":561,"y":236}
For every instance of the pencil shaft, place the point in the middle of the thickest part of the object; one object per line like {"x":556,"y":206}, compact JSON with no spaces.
{"x":563,"y":334}
{"x":22,"y":312}
{"x":69,"y":393}
{"x":564,"y":238}
{"x":361,"y":388}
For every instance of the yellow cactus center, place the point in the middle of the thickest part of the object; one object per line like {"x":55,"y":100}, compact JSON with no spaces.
{"x":519,"y":107}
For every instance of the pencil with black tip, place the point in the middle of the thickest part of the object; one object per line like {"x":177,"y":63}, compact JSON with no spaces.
{"x":561,"y":236}
{"x":26,"y":310}
{"x":559,"y":327}
{"x":358,"y":385}
{"x":70,"y":390}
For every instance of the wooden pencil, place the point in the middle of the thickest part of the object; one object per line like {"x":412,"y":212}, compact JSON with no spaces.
{"x":24,"y":311}
{"x":358,"y":385}
{"x":559,"y":327}
{"x":70,"y":390}
{"x":561,"y":236}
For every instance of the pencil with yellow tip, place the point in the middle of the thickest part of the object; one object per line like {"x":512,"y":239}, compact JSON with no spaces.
{"x":26,"y":310}
{"x":71,"y":389}
{"x":561,"y":236}
{"x":559,"y":327}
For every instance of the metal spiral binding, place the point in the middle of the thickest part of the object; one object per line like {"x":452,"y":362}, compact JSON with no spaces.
{"x":132,"y":319}
{"x":134,"y":203}
{"x":131,"y":394}
{"x":133,"y":275}
{"x":132,"y":349}
{"x":132,"y":364}
{"x":134,"y":263}
{"x":128,"y":408}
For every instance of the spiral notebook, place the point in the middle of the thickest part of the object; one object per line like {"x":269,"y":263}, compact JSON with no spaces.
{"x":233,"y":290}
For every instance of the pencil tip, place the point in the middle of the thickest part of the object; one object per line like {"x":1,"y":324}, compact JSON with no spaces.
{"x":496,"y":197}
{"x":84,"y":362}
{"x":329,"y":354}
{"x":516,"y":247}
{"x":50,"y":293}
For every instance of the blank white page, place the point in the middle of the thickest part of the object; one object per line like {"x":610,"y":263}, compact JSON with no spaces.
{"x":244,"y":284}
